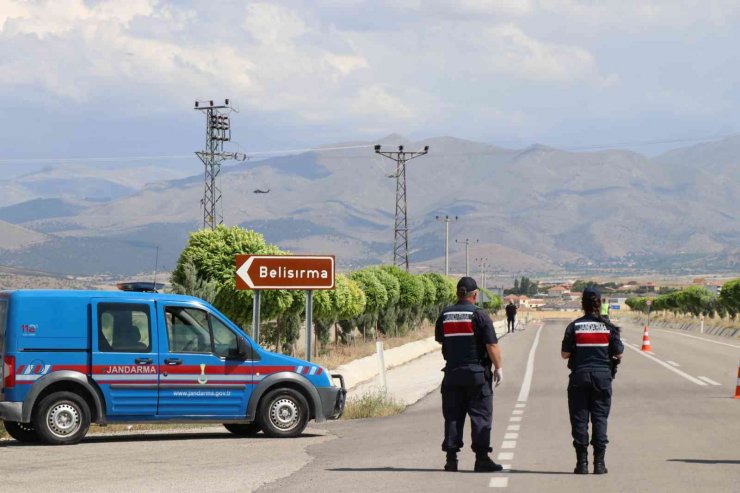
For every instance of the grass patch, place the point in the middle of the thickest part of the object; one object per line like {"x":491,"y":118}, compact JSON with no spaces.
{"x":372,"y":405}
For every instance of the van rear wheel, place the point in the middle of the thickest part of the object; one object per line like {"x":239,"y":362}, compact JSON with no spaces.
{"x":62,"y":418}
{"x":283,"y":413}
{"x":23,"y":432}
{"x":242,"y":429}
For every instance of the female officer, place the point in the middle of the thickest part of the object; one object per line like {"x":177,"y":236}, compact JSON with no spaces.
{"x":591,"y":345}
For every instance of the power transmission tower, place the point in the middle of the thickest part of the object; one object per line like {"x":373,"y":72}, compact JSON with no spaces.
{"x":218,"y":131}
{"x":401,"y":228}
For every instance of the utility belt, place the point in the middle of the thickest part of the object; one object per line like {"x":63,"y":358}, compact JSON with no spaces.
{"x":469,"y":374}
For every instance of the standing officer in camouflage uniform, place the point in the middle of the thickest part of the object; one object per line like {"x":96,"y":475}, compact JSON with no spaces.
{"x":592,"y":347}
{"x":469,"y":347}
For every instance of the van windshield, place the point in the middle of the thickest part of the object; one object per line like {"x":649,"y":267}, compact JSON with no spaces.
{"x":3,"y":321}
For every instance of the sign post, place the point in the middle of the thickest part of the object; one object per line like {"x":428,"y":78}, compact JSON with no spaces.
{"x":649,"y":304}
{"x":290,"y":272}
{"x":256,"y":305}
{"x":309,"y":322}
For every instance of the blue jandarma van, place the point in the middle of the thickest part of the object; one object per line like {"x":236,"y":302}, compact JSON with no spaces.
{"x":71,"y":358}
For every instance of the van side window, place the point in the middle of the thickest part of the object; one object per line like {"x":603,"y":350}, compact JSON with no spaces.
{"x":124,"y":328}
{"x":187,"y":330}
{"x":224,"y":340}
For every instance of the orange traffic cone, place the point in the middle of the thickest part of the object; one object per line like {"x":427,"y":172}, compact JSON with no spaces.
{"x":737,"y":387}
{"x":646,"y":341}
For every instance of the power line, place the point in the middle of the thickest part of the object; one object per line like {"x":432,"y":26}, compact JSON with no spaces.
{"x":167,"y":157}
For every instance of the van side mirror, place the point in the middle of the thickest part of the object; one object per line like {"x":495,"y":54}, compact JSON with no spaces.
{"x":242,"y":348}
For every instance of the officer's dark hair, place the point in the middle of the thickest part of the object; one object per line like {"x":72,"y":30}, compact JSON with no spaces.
{"x":463,"y":293}
{"x":591,"y":303}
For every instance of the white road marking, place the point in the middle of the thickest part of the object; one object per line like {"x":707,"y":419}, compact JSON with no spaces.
{"x":520,"y":404}
{"x":508,"y":444}
{"x":511,"y":436}
{"x":505,"y":456}
{"x":513,"y":428}
{"x":672,"y":363}
{"x":499,"y":482}
{"x":507,"y":467}
{"x":709,"y":381}
{"x":527,"y":382}
{"x":517,"y":411}
{"x":666,"y":365}
{"x":700,"y":338}
{"x":515,"y":419}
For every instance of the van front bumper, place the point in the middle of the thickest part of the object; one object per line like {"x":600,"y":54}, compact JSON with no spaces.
{"x":11,"y":411}
{"x":333,"y":399}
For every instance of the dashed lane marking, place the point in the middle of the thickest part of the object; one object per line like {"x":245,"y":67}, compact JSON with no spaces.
{"x":709,"y":381}
{"x":508,"y":444}
{"x":507,"y":467}
{"x":515,"y":419}
{"x":499,"y":482}
{"x":672,"y":363}
{"x":517,"y":411}
{"x":513,"y":427}
{"x":511,"y":436}
{"x":666,"y":365}
{"x":520,"y":404}
{"x":505,"y":456}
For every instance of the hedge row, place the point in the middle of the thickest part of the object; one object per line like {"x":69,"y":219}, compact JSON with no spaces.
{"x":375,"y":300}
{"x":695,"y":300}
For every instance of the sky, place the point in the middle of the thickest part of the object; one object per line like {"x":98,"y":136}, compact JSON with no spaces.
{"x":118,"y":78}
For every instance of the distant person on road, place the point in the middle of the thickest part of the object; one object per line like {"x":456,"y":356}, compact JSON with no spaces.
{"x":510,"y":317}
{"x":604,"y":309}
{"x":591,"y":345}
{"x":469,"y":347}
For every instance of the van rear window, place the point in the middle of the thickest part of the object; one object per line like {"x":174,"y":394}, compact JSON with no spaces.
{"x":3,"y":322}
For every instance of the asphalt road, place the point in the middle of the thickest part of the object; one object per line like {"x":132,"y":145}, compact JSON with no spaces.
{"x":670,"y":430}
{"x":668,"y":433}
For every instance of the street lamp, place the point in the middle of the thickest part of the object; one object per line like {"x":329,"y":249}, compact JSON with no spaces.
{"x":447,"y":220}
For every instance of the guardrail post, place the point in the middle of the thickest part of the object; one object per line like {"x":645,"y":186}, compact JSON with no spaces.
{"x":381,"y":366}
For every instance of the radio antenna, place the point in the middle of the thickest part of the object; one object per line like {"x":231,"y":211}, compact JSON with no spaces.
{"x":156,"y":262}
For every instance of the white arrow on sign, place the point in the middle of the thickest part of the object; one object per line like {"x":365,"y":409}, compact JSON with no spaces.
{"x":243,"y":272}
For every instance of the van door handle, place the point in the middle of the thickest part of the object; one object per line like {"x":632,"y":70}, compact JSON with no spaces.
{"x":143,"y":361}
{"x":173,"y":361}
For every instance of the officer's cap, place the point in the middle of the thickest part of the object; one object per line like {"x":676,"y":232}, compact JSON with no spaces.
{"x":591,"y":291}
{"x":466,"y":285}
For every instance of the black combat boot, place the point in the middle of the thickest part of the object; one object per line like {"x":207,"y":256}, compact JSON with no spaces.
{"x":451,"y":464}
{"x":483,"y":463}
{"x":581,"y":460}
{"x":599,"y":465}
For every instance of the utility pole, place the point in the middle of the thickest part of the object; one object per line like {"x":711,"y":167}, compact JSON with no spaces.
{"x":401,"y":228}
{"x":467,"y":254}
{"x":482,"y":265}
{"x":447,"y":220}
{"x":218,"y":131}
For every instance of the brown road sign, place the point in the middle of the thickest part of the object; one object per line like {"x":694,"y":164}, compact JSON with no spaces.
{"x":284,"y":272}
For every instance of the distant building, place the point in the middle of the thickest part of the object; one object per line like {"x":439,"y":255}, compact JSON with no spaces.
{"x":517,"y":300}
{"x":533,"y":303}
{"x":714,"y":286}
{"x":558,"y":292}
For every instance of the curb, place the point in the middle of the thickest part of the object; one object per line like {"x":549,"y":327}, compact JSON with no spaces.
{"x":364,"y":369}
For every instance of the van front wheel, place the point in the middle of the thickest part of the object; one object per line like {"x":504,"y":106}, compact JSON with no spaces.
{"x":23,"y":432}
{"x":283,"y":413}
{"x":62,"y":418}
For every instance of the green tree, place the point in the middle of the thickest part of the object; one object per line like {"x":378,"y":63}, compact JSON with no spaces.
{"x":212,"y":253}
{"x":190,"y":284}
{"x":729,"y":297}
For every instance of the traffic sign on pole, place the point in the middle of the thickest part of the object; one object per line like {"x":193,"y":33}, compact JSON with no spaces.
{"x":295,"y":272}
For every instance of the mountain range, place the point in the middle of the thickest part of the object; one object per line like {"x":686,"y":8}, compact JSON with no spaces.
{"x":533,"y":210}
